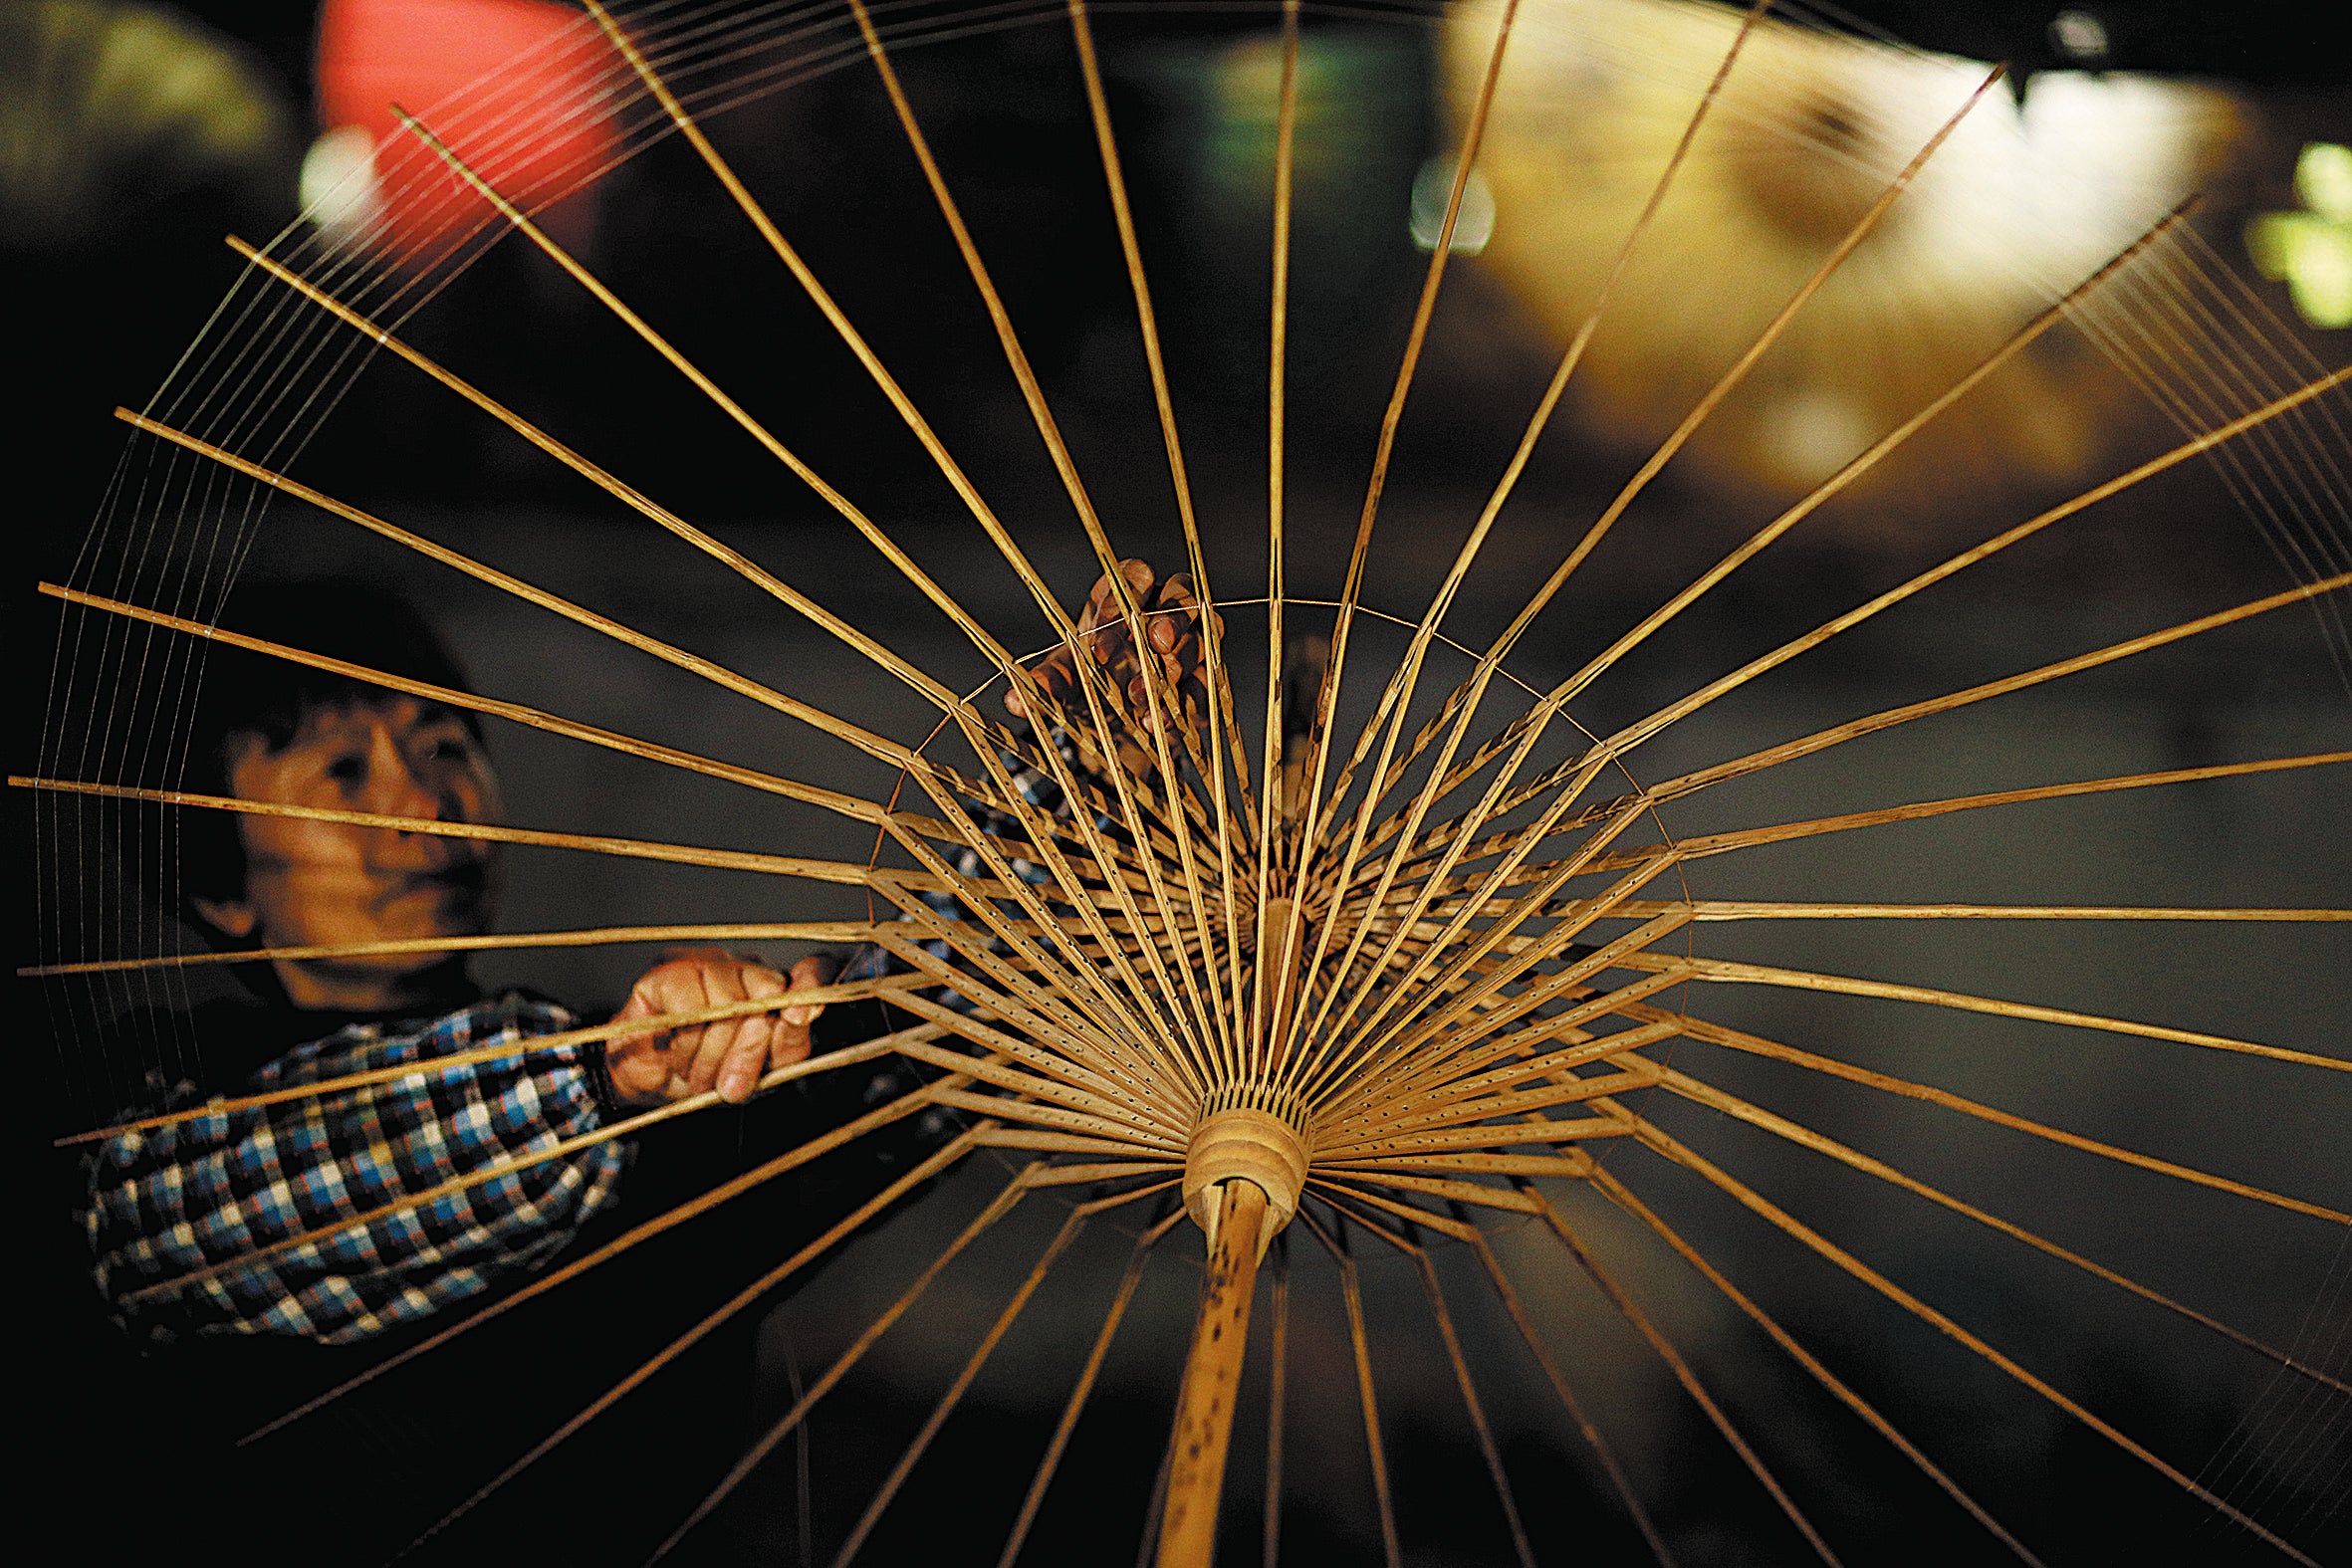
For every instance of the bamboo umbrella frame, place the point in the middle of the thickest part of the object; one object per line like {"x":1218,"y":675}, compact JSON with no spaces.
{"x":1380,"y":988}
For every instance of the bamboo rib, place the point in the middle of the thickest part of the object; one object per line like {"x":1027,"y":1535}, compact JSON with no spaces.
{"x":1460,"y":1076}
{"x":1051,"y":1117}
{"x":448,"y":696}
{"x":1702,"y":1093}
{"x":874,"y":745}
{"x":838,"y":872}
{"x":1716,"y":909}
{"x":1781,"y":1219}
{"x":1454,"y":1130}
{"x":636,"y":501}
{"x":1149,"y":1540}
{"x":831,"y":309}
{"x":1622,"y":1196}
{"x":1338,"y":1190}
{"x":1125,"y":1154}
{"x":520,"y":1046}
{"x":1412,"y":820}
{"x":1555,"y":1132}
{"x":1050,"y":1103}
{"x":1393,"y":1045}
{"x":1352,"y":1292}
{"x":1399,"y":692}
{"x":1726,"y":972}
{"x":1090,"y":1028}
{"x":1051,"y":1075}
{"x":1855,"y":468}
{"x":1043,"y":830}
{"x":1076,"y":1404}
{"x":847,"y":1226}
{"x":1891,"y":717}
{"x":1683,"y":1373}
{"x":1620,"y":1483}
{"x":1042,"y":834}
{"x":1272,"y":807}
{"x":1519,"y":736}
{"x":2193,"y":447}
{"x":831,"y":931}
{"x":1098,"y":1050}
{"x":521,"y":222}
{"x":1700,"y":847}
{"x":1319,"y":736}
{"x":1139,"y":1007}
{"x":791,"y":1159}
{"x":1758,"y":1046}
{"x":1195,"y":1027}
{"x":1470,"y":1101}
{"x":1589,"y":856}
{"x":1493,"y":880}
{"x":1690,"y":782}
{"x":1278,"y":1381}
{"x":1550,"y":1026}
{"x":948,"y":1401}
{"x":1469,"y":1403}
{"x":1419,"y":1034}
{"x":1015,"y":675}
{"x":1034,"y":396}
{"x":1110,"y":1171}
{"x":1161,"y":708}
{"x":1337,"y":1054}
{"x":1191,"y":1041}
{"x":1054,"y":947}
{"x":1426,"y":1273}
{"x":1022,"y":1182}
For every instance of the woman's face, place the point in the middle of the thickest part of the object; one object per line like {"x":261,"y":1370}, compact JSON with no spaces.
{"x":313,"y":883}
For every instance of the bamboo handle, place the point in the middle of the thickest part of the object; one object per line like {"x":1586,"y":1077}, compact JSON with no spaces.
{"x":1203,"y":1408}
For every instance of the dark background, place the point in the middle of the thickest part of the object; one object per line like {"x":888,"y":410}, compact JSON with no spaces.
{"x":104,"y":308}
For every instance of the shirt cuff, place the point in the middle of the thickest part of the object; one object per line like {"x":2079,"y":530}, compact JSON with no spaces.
{"x":600,"y":1076}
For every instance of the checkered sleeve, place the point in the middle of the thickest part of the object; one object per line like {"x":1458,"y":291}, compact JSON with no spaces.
{"x":204,"y":1196}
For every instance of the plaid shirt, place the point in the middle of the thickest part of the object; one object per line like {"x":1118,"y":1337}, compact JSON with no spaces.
{"x":181,"y":1197}
{"x":200,"y":1192}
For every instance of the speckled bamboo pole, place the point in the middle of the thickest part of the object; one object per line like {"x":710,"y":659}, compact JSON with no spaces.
{"x":1212,"y":1375}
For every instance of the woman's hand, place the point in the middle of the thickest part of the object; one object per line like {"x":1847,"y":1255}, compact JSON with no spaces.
{"x":1172,"y":636}
{"x":731,"y":1056}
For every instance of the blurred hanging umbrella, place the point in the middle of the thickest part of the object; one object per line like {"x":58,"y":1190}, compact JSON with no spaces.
{"x":541,"y":136}
{"x":2033,"y":191}
{"x":109,"y":113}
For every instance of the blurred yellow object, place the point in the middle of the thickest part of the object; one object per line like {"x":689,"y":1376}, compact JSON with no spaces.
{"x":2311,"y":250}
{"x":107,"y":110}
{"x":2026,"y":198}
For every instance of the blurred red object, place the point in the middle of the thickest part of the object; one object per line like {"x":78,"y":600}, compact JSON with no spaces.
{"x":533,"y":80}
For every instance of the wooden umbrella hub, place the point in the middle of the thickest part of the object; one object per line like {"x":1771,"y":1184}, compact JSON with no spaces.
{"x":1244,"y":1171}
{"x":1244,"y":1144}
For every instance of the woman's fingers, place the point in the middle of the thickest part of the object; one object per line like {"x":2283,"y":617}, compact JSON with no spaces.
{"x":746,"y":1059}
{"x":1172,"y":635}
{"x":729,"y":1056}
{"x":815,"y":970}
{"x":636,"y":1065}
{"x":707,"y":1045}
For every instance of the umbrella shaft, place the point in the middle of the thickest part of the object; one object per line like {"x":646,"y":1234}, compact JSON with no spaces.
{"x":1212,"y":1377}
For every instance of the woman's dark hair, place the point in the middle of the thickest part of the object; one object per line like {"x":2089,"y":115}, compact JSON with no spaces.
{"x":245,"y":692}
